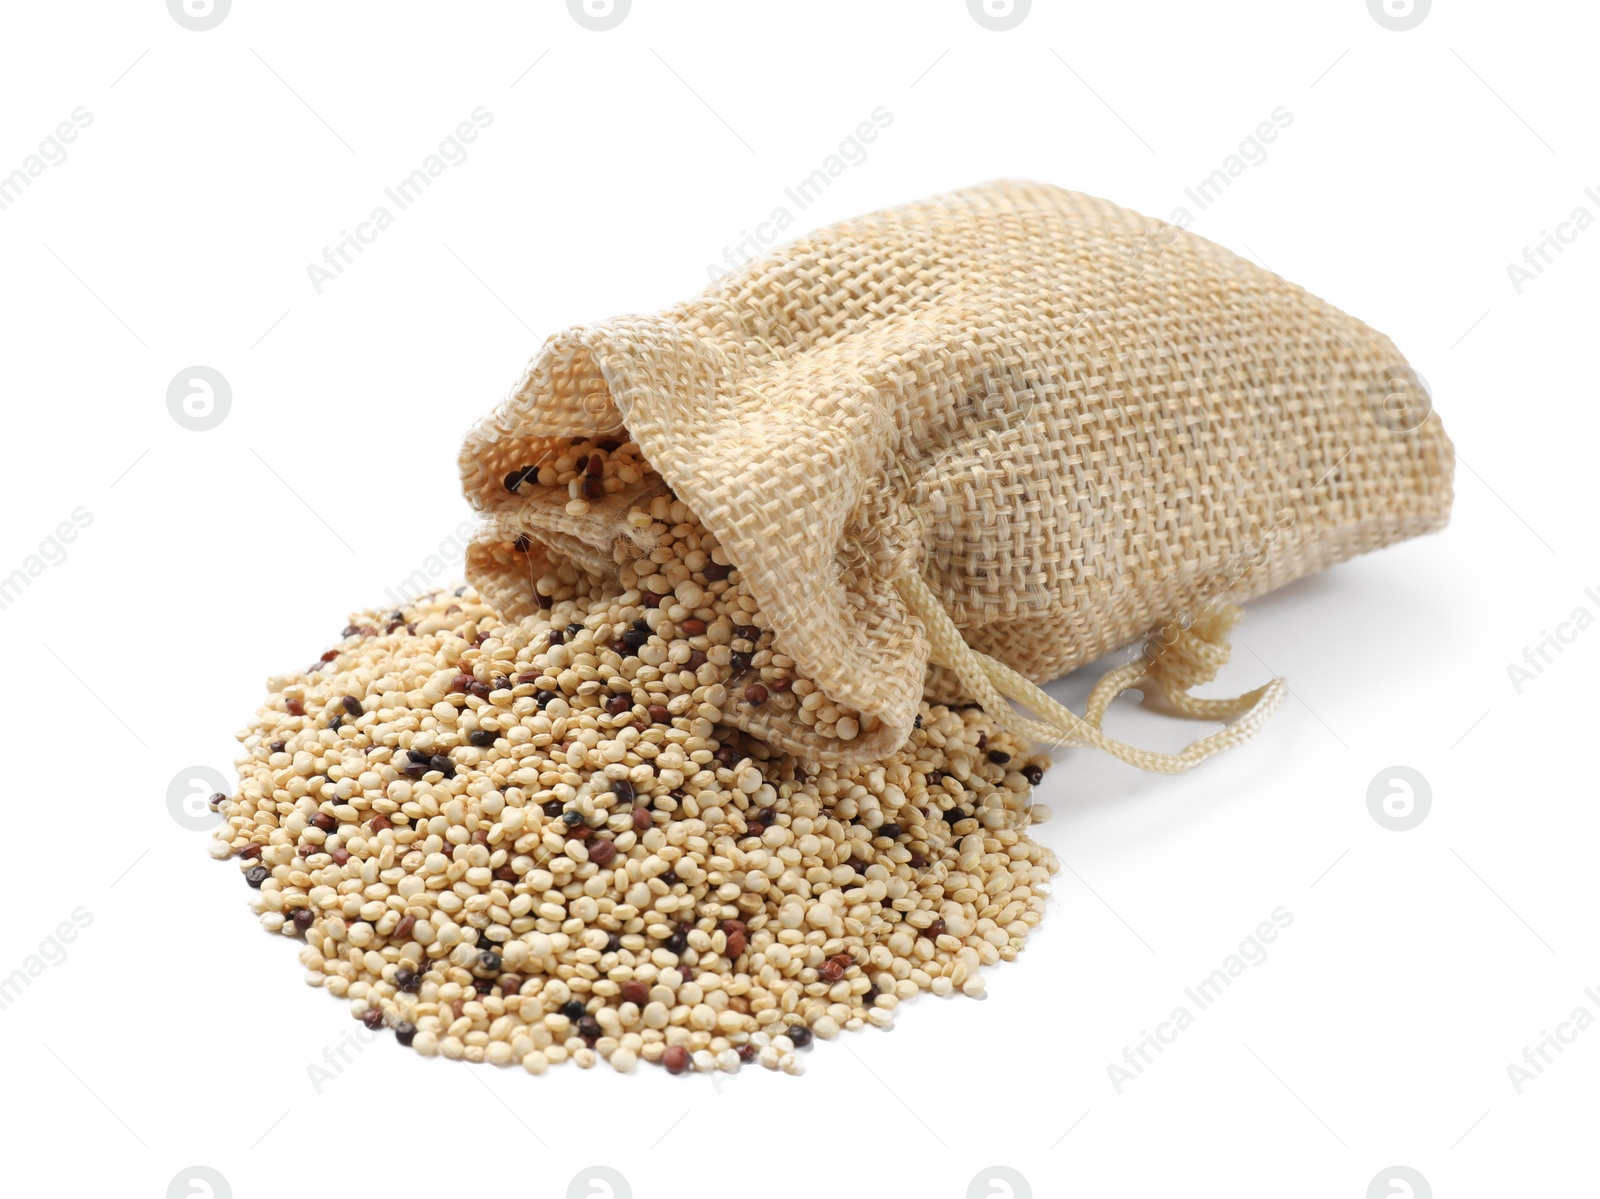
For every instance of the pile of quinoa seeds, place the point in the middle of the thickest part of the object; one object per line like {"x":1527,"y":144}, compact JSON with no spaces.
{"x":540,"y":842}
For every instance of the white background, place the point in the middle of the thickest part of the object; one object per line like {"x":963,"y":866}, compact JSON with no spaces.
{"x":177,"y":232}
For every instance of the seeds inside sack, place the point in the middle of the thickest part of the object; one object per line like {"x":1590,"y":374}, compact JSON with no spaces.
{"x":963,"y":446}
{"x":544,"y":840}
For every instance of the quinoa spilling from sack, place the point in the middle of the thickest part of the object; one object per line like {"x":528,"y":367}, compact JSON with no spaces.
{"x":539,"y":841}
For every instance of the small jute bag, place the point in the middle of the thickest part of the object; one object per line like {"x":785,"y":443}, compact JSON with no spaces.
{"x":961,"y":447}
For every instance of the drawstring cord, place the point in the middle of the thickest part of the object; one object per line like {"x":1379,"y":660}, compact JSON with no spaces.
{"x":1190,"y":659}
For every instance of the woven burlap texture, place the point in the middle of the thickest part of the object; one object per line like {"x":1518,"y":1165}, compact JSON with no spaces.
{"x":1013,"y":411}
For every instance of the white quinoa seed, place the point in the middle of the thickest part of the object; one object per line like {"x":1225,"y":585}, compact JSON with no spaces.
{"x":705,"y":892}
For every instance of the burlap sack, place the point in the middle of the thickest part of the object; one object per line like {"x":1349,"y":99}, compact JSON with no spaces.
{"x":1001,"y":432}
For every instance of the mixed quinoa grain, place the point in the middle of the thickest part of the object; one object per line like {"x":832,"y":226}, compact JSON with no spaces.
{"x":540,"y":842}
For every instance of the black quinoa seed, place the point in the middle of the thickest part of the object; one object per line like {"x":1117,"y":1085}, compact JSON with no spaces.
{"x":623,"y":790}
{"x":572,"y":819}
{"x":443,"y":765}
{"x":573,"y":1009}
{"x":489,"y":961}
{"x":303,"y":918}
{"x":553,"y":808}
{"x":799,"y":1034}
{"x":482,"y":738}
{"x":589,"y":1029}
{"x":892,"y":831}
{"x":1033,"y":774}
{"x":352,"y":705}
{"x":372,"y":1018}
{"x":257,"y":875}
{"x":405,"y":1032}
{"x":999,"y":757}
